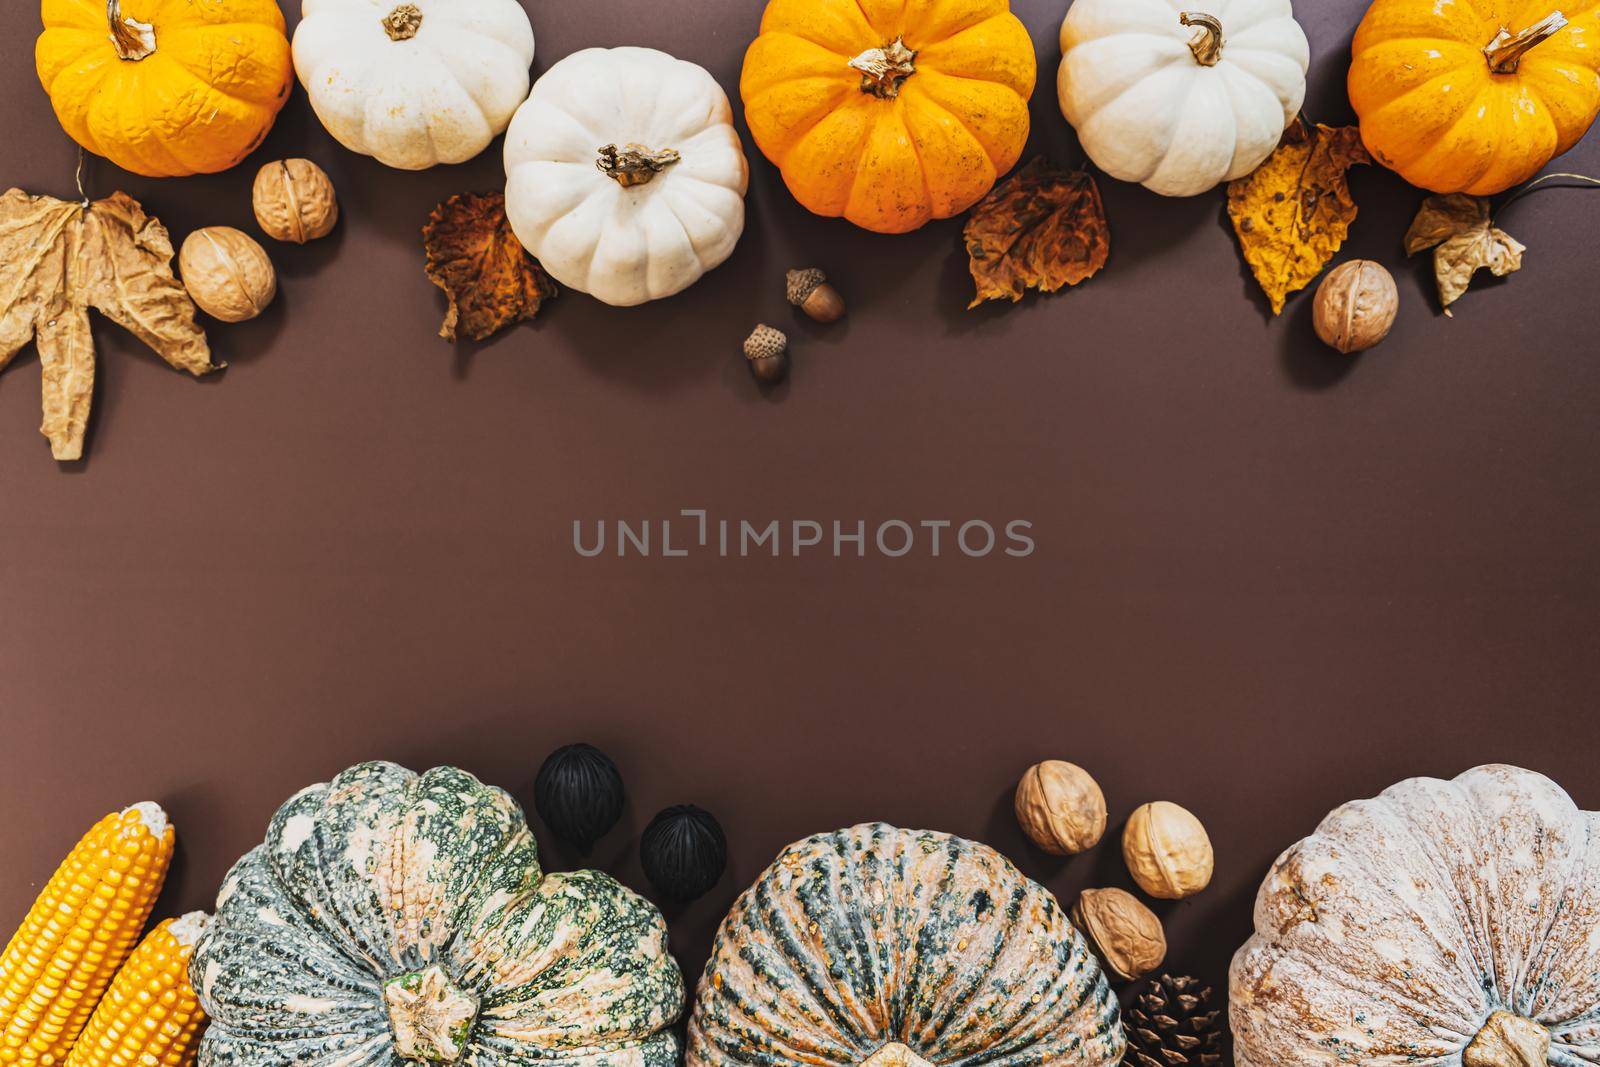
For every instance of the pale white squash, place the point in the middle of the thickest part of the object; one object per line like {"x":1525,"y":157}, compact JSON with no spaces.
{"x":414,"y":83}
{"x":624,"y":175}
{"x":1180,"y":95}
{"x":1440,"y":924}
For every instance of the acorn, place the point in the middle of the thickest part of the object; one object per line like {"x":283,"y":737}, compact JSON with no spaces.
{"x":767,"y":350}
{"x":808,"y":290}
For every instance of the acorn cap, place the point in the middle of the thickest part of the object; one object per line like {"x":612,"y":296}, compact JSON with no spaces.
{"x":802,"y":283}
{"x":765,"y":342}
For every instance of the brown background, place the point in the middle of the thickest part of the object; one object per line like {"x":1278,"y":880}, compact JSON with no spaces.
{"x":1268,"y":579}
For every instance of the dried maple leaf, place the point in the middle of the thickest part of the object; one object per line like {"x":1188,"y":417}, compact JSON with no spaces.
{"x":1042,"y":228}
{"x":58,"y":258}
{"x":1464,"y":239}
{"x":1293,"y":212}
{"x":488,"y":276}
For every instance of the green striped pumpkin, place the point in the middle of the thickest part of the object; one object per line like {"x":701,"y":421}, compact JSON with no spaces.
{"x":900,"y":948}
{"x":395,"y":918}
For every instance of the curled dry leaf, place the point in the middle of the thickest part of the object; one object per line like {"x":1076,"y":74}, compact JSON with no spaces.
{"x":1042,"y":228}
{"x":1464,"y":239}
{"x":1293,"y":212}
{"x":58,"y":258}
{"x":488,"y":276}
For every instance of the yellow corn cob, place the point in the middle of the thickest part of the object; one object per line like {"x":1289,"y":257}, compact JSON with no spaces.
{"x":77,"y":934}
{"x":149,"y":1017}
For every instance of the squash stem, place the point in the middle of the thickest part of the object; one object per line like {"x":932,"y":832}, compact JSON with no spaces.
{"x":431,"y":1019}
{"x":1508,"y":1040}
{"x":133,"y":40}
{"x":403,"y":22}
{"x":1207,"y":43}
{"x":883,"y":69}
{"x":1507,"y":48}
{"x":894,"y":1054}
{"x":635,"y":164}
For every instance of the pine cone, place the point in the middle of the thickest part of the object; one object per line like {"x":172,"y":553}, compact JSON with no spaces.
{"x":1172,"y":1024}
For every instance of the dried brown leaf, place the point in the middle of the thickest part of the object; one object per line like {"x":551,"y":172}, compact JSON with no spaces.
{"x":1042,"y":228}
{"x":1293,"y":212}
{"x":59,"y":258}
{"x":489,"y":278}
{"x":1464,"y":240}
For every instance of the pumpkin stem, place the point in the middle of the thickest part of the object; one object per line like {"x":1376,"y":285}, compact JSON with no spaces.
{"x":634,"y":164}
{"x":133,"y":40}
{"x":1507,"y":48}
{"x":1207,"y":43}
{"x":430,"y":1016}
{"x":403,"y":22}
{"x":883,"y":69}
{"x":1508,"y":1040}
{"x":894,"y":1054}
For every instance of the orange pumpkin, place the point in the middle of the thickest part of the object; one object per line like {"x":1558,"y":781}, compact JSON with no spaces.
{"x":1475,"y":96}
{"x":165,"y":87}
{"x":889,"y":112}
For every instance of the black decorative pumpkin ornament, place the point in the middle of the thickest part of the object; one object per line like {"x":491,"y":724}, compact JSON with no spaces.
{"x":579,"y":795}
{"x":683,"y":851}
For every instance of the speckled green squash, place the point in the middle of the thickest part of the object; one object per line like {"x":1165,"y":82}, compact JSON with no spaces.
{"x":395,"y":918}
{"x":900,"y":948}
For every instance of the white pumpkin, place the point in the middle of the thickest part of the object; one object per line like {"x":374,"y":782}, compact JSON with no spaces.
{"x":1180,"y":95}
{"x":414,"y":83}
{"x":624,"y":175}
{"x":1441,"y":924}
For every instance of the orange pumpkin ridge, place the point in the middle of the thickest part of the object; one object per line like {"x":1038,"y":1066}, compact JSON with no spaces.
{"x":889,"y":113}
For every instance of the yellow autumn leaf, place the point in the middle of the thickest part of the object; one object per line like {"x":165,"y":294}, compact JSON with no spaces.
{"x":1294,"y":211}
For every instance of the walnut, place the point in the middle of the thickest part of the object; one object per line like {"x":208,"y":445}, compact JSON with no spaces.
{"x":1167,"y":851}
{"x":1060,"y":807}
{"x":1355,"y":306}
{"x":294,"y":201}
{"x":227,"y":273}
{"x":1125,"y":934}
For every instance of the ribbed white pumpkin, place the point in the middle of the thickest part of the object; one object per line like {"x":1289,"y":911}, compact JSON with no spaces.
{"x":672,"y":206}
{"x":1440,"y":924}
{"x":414,"y":83}
{"x":1180,"y":95}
